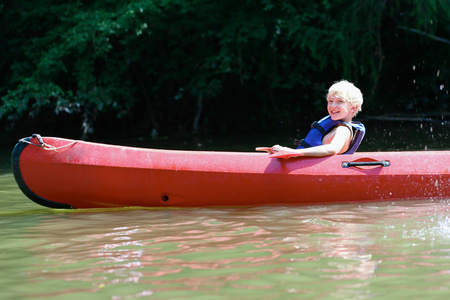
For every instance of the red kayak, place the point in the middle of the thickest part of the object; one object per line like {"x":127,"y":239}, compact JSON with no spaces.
{"x":63,"y":173}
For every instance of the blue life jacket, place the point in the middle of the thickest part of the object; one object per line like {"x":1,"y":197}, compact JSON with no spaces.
{"x":323,"y":126}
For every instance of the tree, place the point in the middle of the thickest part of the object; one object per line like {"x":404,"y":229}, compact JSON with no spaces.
{"x":187,"y":65}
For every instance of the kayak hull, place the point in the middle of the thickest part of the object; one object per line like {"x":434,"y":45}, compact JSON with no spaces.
{"x":63,"y":173}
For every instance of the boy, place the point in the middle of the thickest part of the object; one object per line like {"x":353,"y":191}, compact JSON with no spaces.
{"x":333,"y":134}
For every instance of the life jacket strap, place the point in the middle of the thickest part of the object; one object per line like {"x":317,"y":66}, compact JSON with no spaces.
{"x":317,"y":126}
{"x":302,"y":143}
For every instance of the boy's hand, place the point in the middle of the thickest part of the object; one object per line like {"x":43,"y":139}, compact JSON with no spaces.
{"x":283,"y":152}
{"x":278,"y":151}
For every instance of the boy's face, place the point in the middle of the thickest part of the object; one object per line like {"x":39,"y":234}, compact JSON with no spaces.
{"x":339,"y":109}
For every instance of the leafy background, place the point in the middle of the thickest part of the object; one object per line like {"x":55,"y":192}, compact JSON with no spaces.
{"x":97,"y":69}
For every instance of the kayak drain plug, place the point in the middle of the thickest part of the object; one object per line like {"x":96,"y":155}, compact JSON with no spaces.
{"x":165,"y":198}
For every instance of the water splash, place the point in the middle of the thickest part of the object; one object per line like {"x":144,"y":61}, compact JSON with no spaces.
{"x":443,"y":228}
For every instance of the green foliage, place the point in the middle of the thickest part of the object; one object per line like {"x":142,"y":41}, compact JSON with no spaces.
{"x":177,"y":64}
{"x":69,"y":64}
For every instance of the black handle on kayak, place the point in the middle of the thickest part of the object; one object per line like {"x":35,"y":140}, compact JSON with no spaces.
{"x":382,"y":163}
{"x":39,"y":138}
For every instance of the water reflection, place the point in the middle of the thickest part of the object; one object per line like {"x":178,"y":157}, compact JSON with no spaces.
{"x":345,"y":249}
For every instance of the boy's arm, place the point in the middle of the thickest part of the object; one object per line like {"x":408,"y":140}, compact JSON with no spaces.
{"x":337,"y":145}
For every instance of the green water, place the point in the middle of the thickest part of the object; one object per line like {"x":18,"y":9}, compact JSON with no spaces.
{"x":380,"y":250}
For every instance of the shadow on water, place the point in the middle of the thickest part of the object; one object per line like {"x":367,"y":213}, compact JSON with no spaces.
{"x":389,"y":134}
{"x":381,"y":135}
{"x":406,"y":135}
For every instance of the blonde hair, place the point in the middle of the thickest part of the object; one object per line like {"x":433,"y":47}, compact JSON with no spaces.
{"x":347,"y":91}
